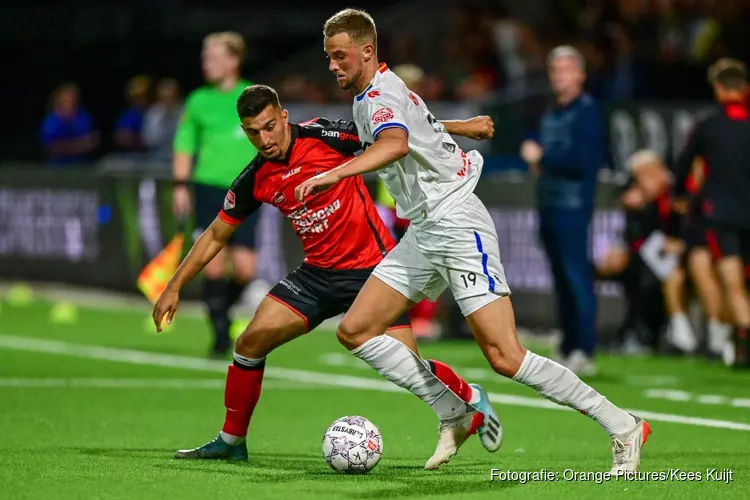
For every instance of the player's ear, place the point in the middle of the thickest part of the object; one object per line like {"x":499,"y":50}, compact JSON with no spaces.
{"x":285,"y":116}
{"x":368,"y":52}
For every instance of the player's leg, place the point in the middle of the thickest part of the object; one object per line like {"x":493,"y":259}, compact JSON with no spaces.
{"x":399,"y":281}
{"x":289,"y":310}
{"x":726,"y":249}
{"x":487,"y":307}
{"x":702,"y":274}
{"x":680,"y":332}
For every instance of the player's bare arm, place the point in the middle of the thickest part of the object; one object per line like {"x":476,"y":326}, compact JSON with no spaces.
{"x":391,"y":145}
{"x":478,"y":128}
{"x":206,"y":247}
{"x":181,"y":168}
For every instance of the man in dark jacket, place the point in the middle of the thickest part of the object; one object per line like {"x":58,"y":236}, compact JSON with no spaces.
{"x":571,"y":151}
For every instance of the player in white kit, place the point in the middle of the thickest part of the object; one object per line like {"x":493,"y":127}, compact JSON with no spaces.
{"x":451,"y":242}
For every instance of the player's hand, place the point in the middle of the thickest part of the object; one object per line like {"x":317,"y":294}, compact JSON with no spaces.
{"x":316,"y":184}
{"x":181,"y":204}
{"x":531,"y":152}
{"x":165,"y":306}
{"x":480,"y":128}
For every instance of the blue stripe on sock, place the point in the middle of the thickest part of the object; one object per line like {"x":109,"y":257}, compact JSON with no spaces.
{"x":484,"y":261}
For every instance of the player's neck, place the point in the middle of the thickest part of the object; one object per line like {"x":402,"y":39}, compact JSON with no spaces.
{"x":228,"y":83}
{"x":287,"y":142}
{"x":367,"y":75}
{"x":566,"y":98}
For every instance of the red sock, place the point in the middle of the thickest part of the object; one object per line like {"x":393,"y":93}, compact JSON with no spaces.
{"x":452,"y":379}
{"x":241,"y":394}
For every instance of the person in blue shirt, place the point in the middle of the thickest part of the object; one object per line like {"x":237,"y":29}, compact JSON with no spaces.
{"x":566,"y":161}
{"x":129,"y":126}
{"x":68,"y":132}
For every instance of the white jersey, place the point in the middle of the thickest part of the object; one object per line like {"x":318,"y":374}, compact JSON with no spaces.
{"x":436,"y":175}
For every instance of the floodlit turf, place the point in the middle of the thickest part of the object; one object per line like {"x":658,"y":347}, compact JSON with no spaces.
{"x":90,"y":426}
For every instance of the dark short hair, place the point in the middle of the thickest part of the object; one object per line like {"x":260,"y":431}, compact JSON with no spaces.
{"x":254,"y":99}
{"x":729,"y":73}
{"x":358,"y":24}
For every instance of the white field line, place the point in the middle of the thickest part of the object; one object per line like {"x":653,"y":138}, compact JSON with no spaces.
{"x":329,"y":379}
{"x":134,"y":383}
{"x":704,"y":399}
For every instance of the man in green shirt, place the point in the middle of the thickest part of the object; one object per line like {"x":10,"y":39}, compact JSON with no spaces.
{"x":210,"y":150}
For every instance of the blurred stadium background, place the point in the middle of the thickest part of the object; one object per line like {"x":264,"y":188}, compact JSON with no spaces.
{"x":96,"y":221}
{"x":74,"y":236}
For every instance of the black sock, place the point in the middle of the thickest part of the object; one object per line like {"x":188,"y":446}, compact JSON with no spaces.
{"x":234,"y":290}
{"x":218,"y":312}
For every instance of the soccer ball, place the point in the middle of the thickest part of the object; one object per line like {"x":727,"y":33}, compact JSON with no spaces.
{"x":352,"y":445}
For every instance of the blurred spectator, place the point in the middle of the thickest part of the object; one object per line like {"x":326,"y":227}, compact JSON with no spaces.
{"x":161,"y":119}
{"x":567,"y":159}
{"x":127,"y":134}
{"x":68,"y":131}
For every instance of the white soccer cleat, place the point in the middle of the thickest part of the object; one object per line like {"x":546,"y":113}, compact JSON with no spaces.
{"x":626,"y":448}
{"x":452,"y":436}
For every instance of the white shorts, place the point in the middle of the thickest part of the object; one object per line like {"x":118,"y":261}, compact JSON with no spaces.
{"x":461,"y":251}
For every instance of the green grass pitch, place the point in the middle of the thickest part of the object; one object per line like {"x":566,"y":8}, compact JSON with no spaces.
{"x":95,"y":409}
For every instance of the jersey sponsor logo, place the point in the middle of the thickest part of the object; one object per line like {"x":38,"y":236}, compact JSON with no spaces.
{"x":313,"y":221}
{"x":336,"y":134}
{"x":229,"y":200}
{"x":279,"y":198}
{"x":373,"y":93}
{"x":291,"y":173}
{"x":413,"y":98}
{"x":382,"y":115}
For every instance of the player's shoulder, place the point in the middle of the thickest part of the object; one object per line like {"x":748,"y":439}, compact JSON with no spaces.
{"x":387,"y":86}
{"x":325,"y":127}
{"x":248,"y":173}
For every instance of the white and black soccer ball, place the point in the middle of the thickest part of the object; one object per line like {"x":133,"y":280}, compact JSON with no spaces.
{"x":352,"y":445}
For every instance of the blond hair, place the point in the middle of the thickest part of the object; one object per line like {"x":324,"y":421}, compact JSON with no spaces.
{"x":358,"y":24}
{"x":232,"y":40}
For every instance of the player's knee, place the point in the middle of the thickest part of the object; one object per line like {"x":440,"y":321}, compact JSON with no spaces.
{"x":350,"y":335}
{"x":251,"y":343}
{"x":506,"y":361}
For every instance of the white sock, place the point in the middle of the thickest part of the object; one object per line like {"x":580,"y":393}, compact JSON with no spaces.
{"x":230,"y":439}
{"x":682,"y":334}
{"x":718,"y":334}
{"x":558,"y":384}
{"x":398,"y":364}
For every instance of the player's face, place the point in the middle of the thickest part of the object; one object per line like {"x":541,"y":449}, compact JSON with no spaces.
{"x":346,"y":59}
{"x":565,"y":75}
{"x":652,"y":179}
{"x":268,"y":131}
{"x":217,"y":62}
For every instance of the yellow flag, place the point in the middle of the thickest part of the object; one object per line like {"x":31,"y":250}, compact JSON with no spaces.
{"x":154,"y":277}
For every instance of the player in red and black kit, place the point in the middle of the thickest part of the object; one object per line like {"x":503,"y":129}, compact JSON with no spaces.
{"x":723,"y":141}
{"x":343,"y":236}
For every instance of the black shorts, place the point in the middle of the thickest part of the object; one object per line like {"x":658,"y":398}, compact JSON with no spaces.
{"x":724,"y":241}
{"x":209,"y":200}
{"x":694,"y":234}
{"x":317,"y":294}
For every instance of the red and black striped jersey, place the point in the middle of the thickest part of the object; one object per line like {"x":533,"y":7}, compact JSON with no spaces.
{"x":340,"y":228}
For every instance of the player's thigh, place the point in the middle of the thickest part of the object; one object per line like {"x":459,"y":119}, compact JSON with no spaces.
{"x":273,"y":324}
{"x":726,"y":248}
{"x":494,"y":328}
{"x":304,"y":292}
{"x":374,"y":310}
{"x":346,"y":286}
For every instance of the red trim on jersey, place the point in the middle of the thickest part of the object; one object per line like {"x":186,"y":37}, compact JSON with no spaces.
{"x":228,"y":218}
{"x":713,"y":244}
{"x":291,"y":308}
{"x":383,"y":67}
{"x":736,"y":110}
